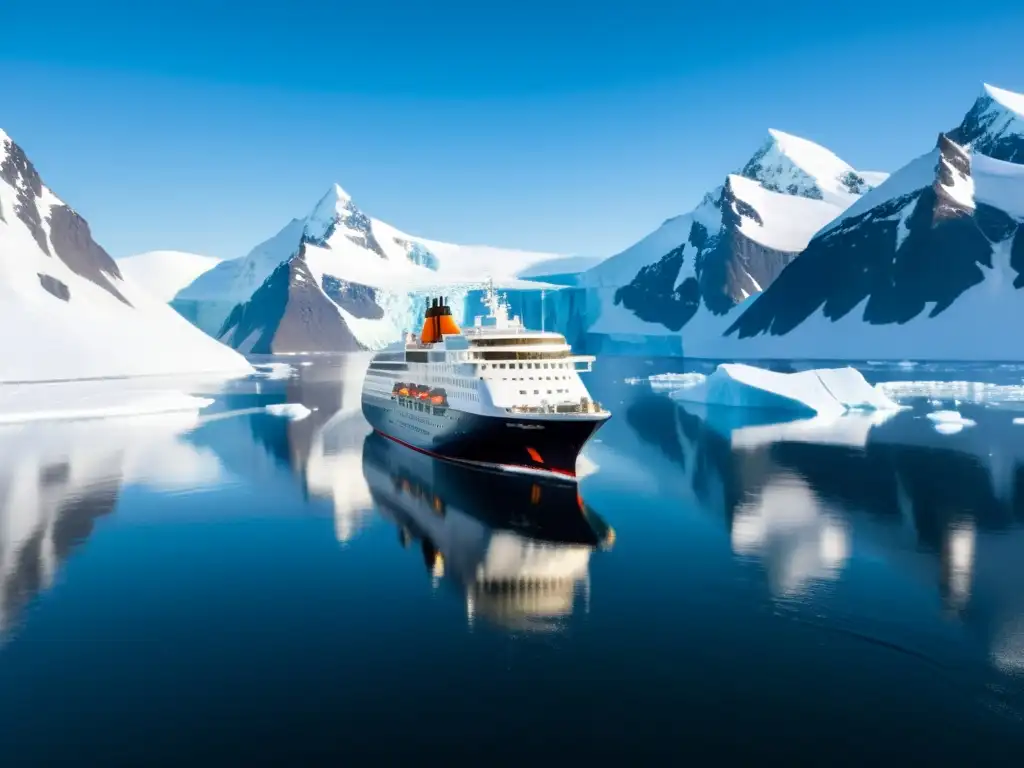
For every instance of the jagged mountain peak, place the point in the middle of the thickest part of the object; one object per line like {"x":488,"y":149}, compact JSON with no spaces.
{"x":1009,"y":99}
{"x":994,"y":125}
{"x":33,"y":213}
{"x":339,"y":193}
{"x":337,"y":214}
{"x":334,"y":204}
{"x":796,"y":166}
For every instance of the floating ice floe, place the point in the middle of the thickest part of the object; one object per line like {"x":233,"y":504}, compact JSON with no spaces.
{"x":949,"y":422}
{"x":89,"y":400}
{"x":823,"y":391}
{"x":273,"y":370}
{"x":965,"y":391}
{"x":661,"y":382}
{"x":293,"y":411}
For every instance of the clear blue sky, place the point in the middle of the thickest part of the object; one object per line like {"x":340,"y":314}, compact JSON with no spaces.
{"x":563,"y":126}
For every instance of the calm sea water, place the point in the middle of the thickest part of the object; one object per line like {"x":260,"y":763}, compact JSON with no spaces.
{"x":237,"y":587}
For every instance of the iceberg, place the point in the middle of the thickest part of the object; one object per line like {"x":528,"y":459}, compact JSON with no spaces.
{"x":292,"y":411}
{"x":823,"y":391}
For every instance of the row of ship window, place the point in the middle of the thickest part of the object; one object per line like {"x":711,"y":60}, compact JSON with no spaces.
{"x":528,"y":365}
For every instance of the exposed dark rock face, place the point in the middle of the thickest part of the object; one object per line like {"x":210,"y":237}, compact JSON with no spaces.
{"x":996,"y":225}
{"x":358,"y":300}
{"x":868,"y":257}
{"x":18,"y":171}
{"x":727,"y":267}
{"x":954,"y":168}
{"x":652,"y":297}
{"x":767,"y":176}
{"x":260,"y":314}
{"x":733,"y":266}
{"x":70,"y":239}
{"x":54,"y":287}
{"x":737,"y":268}
{"x":981,"y":130}
{"x":311,"y":323}
{"x":1017,"y":257}
{"x":290,"y":313}
{"x":74,"y":245}
{"x":854,"y":183}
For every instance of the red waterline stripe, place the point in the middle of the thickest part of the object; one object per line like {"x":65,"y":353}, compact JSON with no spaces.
{"x":552,"y":470}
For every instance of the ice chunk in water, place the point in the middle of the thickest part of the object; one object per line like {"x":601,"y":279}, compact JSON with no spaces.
{"x":823,"y":391}
{"x":293,"y":411}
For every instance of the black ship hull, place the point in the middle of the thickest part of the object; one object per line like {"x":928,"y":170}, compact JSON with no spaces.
{"x":536,"y":445}
{"x":541,"y":508}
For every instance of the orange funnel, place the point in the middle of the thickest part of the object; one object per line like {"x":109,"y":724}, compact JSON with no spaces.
{"x":438,"y":322}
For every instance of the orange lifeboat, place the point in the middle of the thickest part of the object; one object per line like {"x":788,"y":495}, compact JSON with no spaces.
{"x":438,"y":322}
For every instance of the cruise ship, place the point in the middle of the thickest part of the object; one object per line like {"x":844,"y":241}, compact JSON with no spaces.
{"x":496,"y":394}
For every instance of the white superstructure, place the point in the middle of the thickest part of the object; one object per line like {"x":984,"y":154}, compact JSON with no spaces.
{"x":495,"y":367}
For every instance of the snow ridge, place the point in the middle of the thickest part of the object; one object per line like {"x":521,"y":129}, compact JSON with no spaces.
{"x":796,"y":166}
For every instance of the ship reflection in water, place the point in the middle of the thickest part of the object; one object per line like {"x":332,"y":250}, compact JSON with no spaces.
{"x":517,"y":547}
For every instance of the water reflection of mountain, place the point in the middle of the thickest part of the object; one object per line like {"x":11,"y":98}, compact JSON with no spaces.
{"x":518,"y":548}
{"x":325,"y":448}
{"x":804,"y":496}
{"x":57,"y":479}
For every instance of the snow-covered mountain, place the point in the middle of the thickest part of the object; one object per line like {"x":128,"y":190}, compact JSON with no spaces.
{"x":66,"y":310}
{"x":732,"y":245}
{"x":339,"y":280}
{"x":164,"y":273}
{"x":930,"y":265}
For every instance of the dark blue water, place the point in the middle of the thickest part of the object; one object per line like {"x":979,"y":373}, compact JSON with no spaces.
{"x":242,"y":589}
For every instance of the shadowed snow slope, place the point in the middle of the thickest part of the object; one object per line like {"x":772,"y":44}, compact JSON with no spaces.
{"x":66,"y":310}
{"x":930,"y":265}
